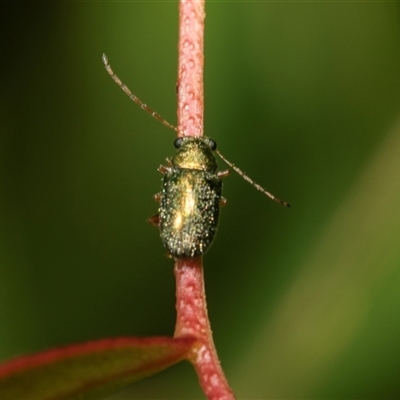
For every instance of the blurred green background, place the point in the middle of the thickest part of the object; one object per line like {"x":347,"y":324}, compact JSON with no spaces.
{"x":305,"y":97}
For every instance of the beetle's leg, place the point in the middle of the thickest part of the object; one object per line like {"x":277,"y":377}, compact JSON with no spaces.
{"x":155,"y":220}
{"x":223,"y":201}
{"x":223,"y":174}
{"x":163,"y":169}
{"x":157,"y":197}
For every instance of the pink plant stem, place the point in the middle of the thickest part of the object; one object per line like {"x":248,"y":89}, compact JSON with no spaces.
{"x":192,"y":320}
{"x":191,"y":306}
{"x":190,"y":68}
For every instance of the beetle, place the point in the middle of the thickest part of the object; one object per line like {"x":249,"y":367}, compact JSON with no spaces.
{"x":190,"y":198}
{"x":191,"y":192}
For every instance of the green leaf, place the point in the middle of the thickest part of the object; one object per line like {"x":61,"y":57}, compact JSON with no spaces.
{"x":91,"y":370}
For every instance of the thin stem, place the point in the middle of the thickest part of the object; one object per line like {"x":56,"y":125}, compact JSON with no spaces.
{"x":191,"y":306}
{"x":192,"y":320}
{"x":190,"y":69}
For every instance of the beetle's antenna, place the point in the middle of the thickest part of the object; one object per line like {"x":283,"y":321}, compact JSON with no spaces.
{"x":136,"y":99}
{"x":158,"y":117}
{"x":248,"y":179}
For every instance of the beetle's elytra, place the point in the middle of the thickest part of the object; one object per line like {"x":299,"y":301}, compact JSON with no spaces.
{"x":191,"y":192}
{"x":190,"y":198}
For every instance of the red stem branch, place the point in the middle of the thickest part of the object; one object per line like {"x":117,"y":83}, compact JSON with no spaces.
{"x":191,"y":306}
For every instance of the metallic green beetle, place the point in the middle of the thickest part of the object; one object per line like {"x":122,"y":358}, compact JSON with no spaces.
{"x":191,"y":192}
{"x":190,"y":198}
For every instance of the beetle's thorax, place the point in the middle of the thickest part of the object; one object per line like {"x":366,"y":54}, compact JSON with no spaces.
{"x":195,"y":153}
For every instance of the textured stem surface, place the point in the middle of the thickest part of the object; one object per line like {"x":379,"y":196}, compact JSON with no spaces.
{"x":192,"y":320}
{"x":190,"y":69}
{"x":191,"y":306}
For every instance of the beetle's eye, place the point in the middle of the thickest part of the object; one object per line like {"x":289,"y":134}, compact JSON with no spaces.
{"x":178,"y":142}
{"x":212,"y":144}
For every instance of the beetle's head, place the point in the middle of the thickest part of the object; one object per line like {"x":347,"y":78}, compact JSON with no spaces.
{"x":195,"y":153}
